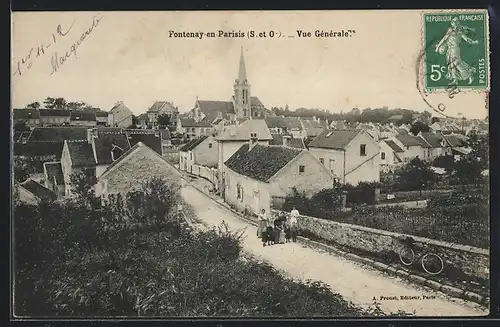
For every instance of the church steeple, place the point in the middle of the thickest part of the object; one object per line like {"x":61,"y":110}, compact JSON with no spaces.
{"x":242,"y":73}
{"x":241,"y":97}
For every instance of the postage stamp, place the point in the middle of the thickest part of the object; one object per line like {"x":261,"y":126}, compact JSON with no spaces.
{"x":456,"y":50}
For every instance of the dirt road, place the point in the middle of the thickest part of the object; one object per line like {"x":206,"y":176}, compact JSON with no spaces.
{"x":354,"y":281}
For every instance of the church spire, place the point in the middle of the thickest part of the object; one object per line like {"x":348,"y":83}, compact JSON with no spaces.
{"x":242,"y":73}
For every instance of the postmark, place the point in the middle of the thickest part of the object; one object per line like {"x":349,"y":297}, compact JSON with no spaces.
{"x":456,"y":51}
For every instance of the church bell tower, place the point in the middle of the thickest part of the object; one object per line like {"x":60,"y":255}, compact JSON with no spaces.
{"x":241,"y":97}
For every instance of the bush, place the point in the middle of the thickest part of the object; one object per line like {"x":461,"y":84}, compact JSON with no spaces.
{"x":132,"y":256}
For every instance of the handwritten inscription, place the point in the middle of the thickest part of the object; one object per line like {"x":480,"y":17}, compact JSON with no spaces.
{"x":35,"y":53}
{"x":57,"y":60}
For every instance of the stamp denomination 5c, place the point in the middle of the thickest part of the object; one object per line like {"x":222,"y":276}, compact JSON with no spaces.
{"x":456,"y":50}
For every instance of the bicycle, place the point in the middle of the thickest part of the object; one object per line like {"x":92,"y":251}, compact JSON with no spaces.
{"x":431,"y":263}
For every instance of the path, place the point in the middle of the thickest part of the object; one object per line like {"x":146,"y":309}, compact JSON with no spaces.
{"x":354,"y":281}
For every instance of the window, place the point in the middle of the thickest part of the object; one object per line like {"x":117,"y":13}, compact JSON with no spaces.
{"x":322,"y":160}
{"x":382,"y":155}
{"x":332,"y":164}
{"x":239,"y":192}
{"x":407,"y":147}
{"x":209,"y":145}
{"x":302,"y":168}
{"x":253,"y":134}
{"x":191,"y":155}
{"x":362,"y":150}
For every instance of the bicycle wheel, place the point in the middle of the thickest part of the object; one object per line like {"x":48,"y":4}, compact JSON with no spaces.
{"x":406,"y":256}
{"x":432,"y":264}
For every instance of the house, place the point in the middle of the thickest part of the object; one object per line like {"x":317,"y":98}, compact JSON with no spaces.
{"x":162,"y":108}
{"x":54,"y":178}
{"x":120,"y":116}
{"x":54,"y":117}
{"x":234,"y":136}
{"x":32,"y":192}
{"x":338,"y":125}
{"x":285,"y":125}
{"x":143,"y":121}
{"x":437,"y":144}
{"x":288,"y":141}
{"x":102,"y":118}
{"x":394,"y":119}
{"x":102,"y":147}
{"x":194,"y":129}
{"x":457,"y":145}
{"x":136,"y":165}
{"x":202,"y":151}
{"x":413,"y":146}
{"x":30,"y":117}
{"x":83,"y":118}
{"x":389,"y":155}
{"x":256,"y":173}
{"x":352,"y":156}
{"x":312,"y":126}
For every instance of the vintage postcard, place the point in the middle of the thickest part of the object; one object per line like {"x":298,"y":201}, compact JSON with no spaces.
{"x":250,"y":164}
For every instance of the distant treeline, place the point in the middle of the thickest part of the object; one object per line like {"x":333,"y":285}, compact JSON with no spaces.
{"x":377,"y":115}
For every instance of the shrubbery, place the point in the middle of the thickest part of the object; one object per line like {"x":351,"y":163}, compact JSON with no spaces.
{"x":134,"y":256}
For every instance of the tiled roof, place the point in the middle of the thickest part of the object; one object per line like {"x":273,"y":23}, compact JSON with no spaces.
{"x":55,"y":113}
{"x":211,"y":109}
{"x":26,"y":114}
{"x":58,"y":134}
{"x":455,"y":140}
{"x":410,"y":140}
{"x":312,"y":127}
{"x":54,"y":170}
{"x":108,"y":130}
{"x":162,"y":106}
{"x":81,"y":153}
{"x":143,"y":117}
{"x":192,"y":144}
{"x":402,"y":131}
{"x":283,"y":122}
{"x":395,"y":117}
{"x":129,"y":152}
{"x":101,"y":113}
{"x":105,"y":143}
{"x":83,"y":115}
{"x":333,"y":139}
{"x":151,"y":140}
{"x":292,"y":142}
{"x":188,"y":122}
{"x":394,"y":146}
{"x":261,"y":162}
{"x":255,"y":102}
{"x":164,"y":133}
{"x":242,"y":131}
{"x":39,"y":190}
{"x":39,"y":149}
{"x":433,"y":139}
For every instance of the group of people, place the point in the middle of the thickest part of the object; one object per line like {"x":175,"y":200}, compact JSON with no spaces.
{"x":281,"y":229}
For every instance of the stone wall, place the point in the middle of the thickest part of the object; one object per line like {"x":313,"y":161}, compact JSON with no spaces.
{"x":470,"y":260}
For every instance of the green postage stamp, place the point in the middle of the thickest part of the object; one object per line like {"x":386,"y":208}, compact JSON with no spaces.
{"x":456,"y":50}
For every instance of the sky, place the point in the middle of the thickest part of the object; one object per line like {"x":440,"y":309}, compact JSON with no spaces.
{"x":130,"y":57}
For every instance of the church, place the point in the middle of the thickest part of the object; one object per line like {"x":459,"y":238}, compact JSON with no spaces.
{"x":241,"y":107}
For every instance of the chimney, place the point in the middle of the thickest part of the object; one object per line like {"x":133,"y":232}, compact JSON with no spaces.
{"x":253,"y":140}
{"x":286,"y":139}
{"x":91,"y":134}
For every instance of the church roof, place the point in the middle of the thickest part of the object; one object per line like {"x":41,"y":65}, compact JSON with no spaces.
{"x":211,"y":109}
{"x":255,"y":102}
{"x":242,"y":73}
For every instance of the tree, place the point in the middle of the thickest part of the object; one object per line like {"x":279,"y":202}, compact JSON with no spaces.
{"x":416,"y":175}
{"x":418,"y":127}
{"x":434,"y":120}
{"x":33,"y":105}
{"x":164,"y":120}
{"x":82,"y":184}
{"x":447,"y":162}
{"x":468,"y":170}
